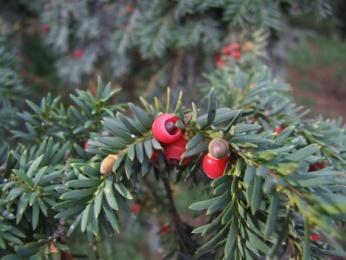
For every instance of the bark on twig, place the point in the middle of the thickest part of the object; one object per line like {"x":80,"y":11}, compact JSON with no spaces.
{"x":185,"y":241}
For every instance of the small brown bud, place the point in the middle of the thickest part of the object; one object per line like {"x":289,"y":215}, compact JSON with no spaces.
{"x":218,"y":148}
{"x":107,"y":163}
{"x":248,"y":46}
{"x":53,"y":249}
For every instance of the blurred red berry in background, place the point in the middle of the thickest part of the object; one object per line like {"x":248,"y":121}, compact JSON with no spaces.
{"x":135,"y":208}
{"x":45,"y":27}
{"x":78,"y":53}
{"x":316,"y":166}
{"x":166,"y":229}
{"x":315,"y":237}
{"x":129,"y":8}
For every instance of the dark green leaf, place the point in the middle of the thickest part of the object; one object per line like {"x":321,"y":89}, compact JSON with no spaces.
{"x":21,"y":207}
{"x":211,"y":244}
{"x":200,"y":148}
{"x":194,"y":141}
{"x":219,"y":203}
{"x":256,"y":195}
{"x":203,"y":204}
{"x":231,"y":239}
{"x":109,"y":194}
{"x":123,"y":190}
{"x":35,"y":215}
{"x":139,"y":152}
{"x":77,"y":194}
{"x":211,"y":108}
{"x":112,"y":219}
{"x":272,"y":214}
{"x":98,"y":204}
{"x":83,"y":183}
{"x":141,"y":115}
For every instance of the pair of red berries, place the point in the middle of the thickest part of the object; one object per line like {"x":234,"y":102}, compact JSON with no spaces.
{"x":215,"y":161}
{"x":164,"y":130}
{"x":231,"y":50}
{"x":174,"y":142}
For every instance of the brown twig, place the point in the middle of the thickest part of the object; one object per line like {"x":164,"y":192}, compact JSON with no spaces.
{"x":96,"y":249}
{"x":184,"y":240}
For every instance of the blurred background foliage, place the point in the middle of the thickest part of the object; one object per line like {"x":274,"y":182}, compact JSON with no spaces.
{"x":142,"y":46}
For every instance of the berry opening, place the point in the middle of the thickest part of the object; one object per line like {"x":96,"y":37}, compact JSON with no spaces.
{"x":171,"y":127}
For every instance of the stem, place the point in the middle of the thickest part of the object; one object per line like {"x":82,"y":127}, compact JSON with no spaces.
{"x":184,"y":240}
{"x":96,"y":249}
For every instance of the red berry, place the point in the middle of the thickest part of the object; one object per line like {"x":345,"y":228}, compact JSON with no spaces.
{"x":230,"y":48}
{"x":45,"y":27}
{"x":174,"y":151}
{"x":220,"y":63}
{"x":86,"y":145}
{"x":129,"y":8}
{"x":163,"y":129}
{"x":316,"y":166}
{"x":212,"y":167}
{"x":278,"y":130}
{"x":218,"y":148}
{"x":78,"y":53}
{"x":166,"y":229}
{"x":236,"y":55}
{"x":315,"y":237}
{"x":135,"y":208}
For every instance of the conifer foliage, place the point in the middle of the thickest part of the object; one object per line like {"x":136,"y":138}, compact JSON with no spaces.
{"x":11,"y":92}
{"x":281,"y":192}
{"x":114,"y":34}
{"x":274,"y":180}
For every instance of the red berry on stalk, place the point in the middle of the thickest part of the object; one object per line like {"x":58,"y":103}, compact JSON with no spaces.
{"x":174,"y":151}
{"x":315,"y":237}
{"x":317,"y":166}
{"x":164,"y":128}
{"x":135,"y":208}
{"x":78,"y":53}
{"x":212,"y":167}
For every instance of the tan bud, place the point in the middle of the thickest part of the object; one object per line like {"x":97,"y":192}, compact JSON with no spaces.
{"x":248,"y":46}
{"x":107,"y":163}
{"x":218,"y":148}
{"x":53,"y":249}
